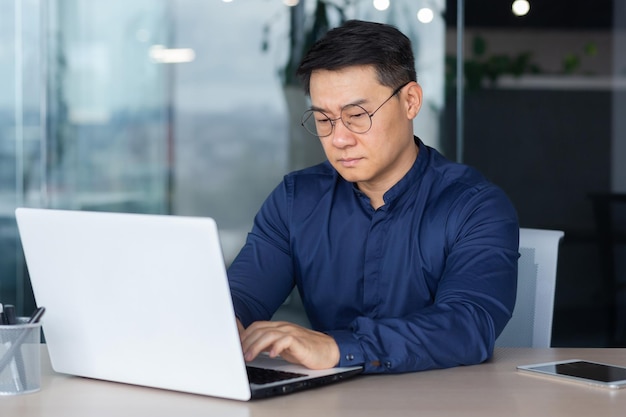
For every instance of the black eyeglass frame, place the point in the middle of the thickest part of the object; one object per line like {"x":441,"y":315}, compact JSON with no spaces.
{"x":309,"y":113}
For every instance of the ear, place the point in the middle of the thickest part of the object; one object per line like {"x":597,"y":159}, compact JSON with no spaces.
{"x":413,"y":99}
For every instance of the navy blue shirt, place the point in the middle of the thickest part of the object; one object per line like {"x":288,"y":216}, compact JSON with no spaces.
{"x":428,"y":280}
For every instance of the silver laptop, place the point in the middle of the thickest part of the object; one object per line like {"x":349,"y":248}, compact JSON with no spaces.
{"x":144,"y":299}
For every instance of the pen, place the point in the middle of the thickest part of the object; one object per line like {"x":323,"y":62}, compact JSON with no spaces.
{"x":19,"y":361}
{"x":3,"y":319}
{"x":18,"y":366}
{"x":36,"y":316}
{"x":9,"y":314}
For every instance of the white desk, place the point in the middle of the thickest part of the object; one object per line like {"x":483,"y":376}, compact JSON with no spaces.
{"x":491,"y":389}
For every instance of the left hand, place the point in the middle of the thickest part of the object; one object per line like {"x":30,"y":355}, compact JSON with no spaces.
{"x":293,"y":343}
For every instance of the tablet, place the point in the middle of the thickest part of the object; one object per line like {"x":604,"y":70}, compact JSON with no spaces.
{"x":577,"y":370}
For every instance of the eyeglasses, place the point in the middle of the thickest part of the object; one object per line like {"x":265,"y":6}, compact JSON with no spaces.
{"x":354,"y":117}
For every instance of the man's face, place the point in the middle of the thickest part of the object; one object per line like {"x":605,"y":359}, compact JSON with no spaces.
{"x":380,"y":157}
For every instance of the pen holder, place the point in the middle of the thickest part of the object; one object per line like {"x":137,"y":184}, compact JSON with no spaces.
{"x":20,"y":363}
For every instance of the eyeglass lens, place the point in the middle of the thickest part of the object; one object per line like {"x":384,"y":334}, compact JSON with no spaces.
{"x":354,"y":117}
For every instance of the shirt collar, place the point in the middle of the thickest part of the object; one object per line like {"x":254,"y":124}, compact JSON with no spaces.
{"x":411,"y":177}
{"x":409,"y":180}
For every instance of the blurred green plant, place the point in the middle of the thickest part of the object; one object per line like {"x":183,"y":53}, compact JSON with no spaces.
{"x":483,"y":70}
{"x":573,"y":61}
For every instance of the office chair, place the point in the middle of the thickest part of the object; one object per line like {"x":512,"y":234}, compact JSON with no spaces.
{"x":531,"y":324}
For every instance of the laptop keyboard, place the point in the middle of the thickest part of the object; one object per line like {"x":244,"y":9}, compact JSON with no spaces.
{"x":265,"y":376}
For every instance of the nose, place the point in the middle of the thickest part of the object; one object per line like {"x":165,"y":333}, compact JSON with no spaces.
{"x":342,"y":136}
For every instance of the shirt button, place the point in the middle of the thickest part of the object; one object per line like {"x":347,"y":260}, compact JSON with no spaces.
{"x":350,"y":357}
{"x":388,"y":365}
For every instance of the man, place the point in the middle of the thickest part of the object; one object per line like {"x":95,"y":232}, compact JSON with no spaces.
{"x":404,"y":260}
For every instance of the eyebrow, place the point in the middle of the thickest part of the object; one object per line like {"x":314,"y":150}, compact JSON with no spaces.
{"x":358,"y":102}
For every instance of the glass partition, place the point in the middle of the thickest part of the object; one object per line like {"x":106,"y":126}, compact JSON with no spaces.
{"x":108,"y":106}
{"x":184,"y":107}
{"x":20,"y":136}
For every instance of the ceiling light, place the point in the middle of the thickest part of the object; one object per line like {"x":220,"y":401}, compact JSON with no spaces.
{"x":160,"y":54}
{"x":425,"y":15}
{"x":381,"y":4}
{"x":520,"y":7}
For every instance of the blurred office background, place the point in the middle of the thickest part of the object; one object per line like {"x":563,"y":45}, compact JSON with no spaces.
{"x":190,"y":107}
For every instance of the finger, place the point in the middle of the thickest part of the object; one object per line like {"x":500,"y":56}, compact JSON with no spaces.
{"x":257,"y":330}
{"x":282,"y":346}
{"x":240,"y":327}
{"x":262,"y":341}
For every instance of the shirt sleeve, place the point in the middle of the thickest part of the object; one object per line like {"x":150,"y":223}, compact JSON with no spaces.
{"x":261,"y":276}
{"x":473,"y":301}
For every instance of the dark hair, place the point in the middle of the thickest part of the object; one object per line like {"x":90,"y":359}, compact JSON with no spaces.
{"x":358,"y":42}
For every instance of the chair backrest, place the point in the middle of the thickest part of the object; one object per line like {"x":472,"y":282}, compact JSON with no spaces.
{"x":531,"y":324}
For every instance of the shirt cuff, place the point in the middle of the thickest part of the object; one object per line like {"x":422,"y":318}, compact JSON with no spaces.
{"x":350,"y":352}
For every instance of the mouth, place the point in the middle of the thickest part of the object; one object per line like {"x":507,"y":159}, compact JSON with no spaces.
{"x":349,"y":162}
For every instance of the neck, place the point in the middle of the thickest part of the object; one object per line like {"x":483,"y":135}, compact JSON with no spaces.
{"x":376,"y":190}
